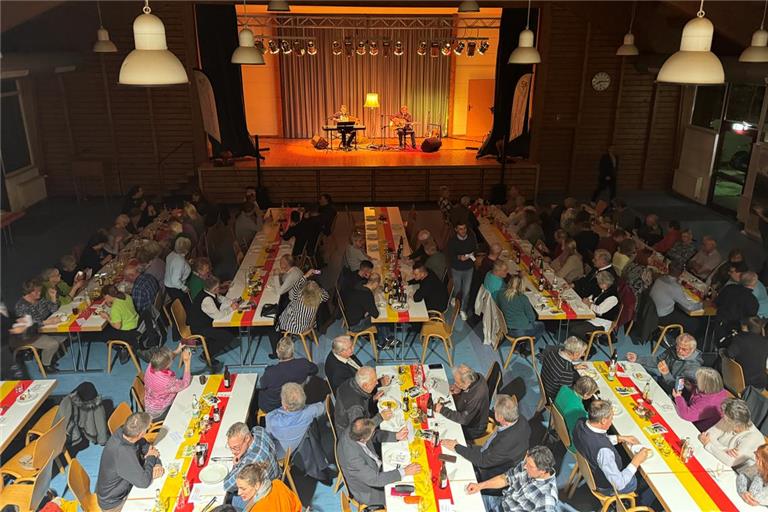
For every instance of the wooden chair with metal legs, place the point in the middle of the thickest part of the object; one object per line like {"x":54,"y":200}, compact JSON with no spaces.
{"x":80,"y":484}
{"x":594,"y":335}
{"x":344,"y":497}
{"x":137,"y":392}
{"x":35,"y":355}
{"x":562,"y":432}
{"x":493,"y":380}
{"x":120,"y":415}
{"x":50,"y":445}
{"x":329,"y":412}
{"x":126,"y":346}
{"x":514,"y":341}
{"x":180,"y":319}
{"x":27,"y":496}
{"x":733,"y":376}
{"x":663,"y":334}
{"x":42,"y":425}
{"x":260,"y":415}
{"x":286,"y":476}
{"x":441,"y":331}
{"x":369,"y":332}
{"x":303,"y":336}
{"x":621,"y":507}
{"x":606,"y":501}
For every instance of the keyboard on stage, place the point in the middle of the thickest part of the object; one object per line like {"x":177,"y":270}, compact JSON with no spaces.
{"x":343,"y":127}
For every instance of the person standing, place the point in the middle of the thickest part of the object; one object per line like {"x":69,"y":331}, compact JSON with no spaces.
{"x":460,"y":251}
{"x":607,"y":171}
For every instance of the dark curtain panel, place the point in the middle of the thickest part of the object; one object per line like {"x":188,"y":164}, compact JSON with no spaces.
{"x":507,"y":76}
{"x":313,"y":87}
{"x":217,"y":39}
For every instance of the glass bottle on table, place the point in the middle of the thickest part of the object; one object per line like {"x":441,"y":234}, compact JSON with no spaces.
{"x":443,"y":475}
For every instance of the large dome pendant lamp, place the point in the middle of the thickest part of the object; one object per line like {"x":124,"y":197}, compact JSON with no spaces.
{"x":151,"y":63}
{"x":526,"y":52}
{"x":758,"y":50}
{"x":628,"y":48}
{"x":694,"y":63}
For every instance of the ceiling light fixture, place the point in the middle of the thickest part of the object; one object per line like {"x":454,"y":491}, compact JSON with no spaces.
{"x":471,"y":48}
{"x":484,"y":46}
{"x":360,"y":48}
{"x":459,"y":49}
{"x":629,"y":48}
{"x":422,"y":50}
{"x":373,"y":48}
{"x":246,"y":52}
{"x":311,"y":48}
{"x":278,"y":6}
{"x":758,"y":50}
{"x":150,"y":63}
{"x":526,"y":52}
{"x":286,"y":47}
{"x":299,"y":50}
{"x":385,"y":46}
{"x":398,"y":49}
{"x":694,"y":63}
{"x":469,"y":6}
{"x":434,"y":49}
{"x":348,"y":46}
{"x":336,"y":48}
{"x":103,"y":44}
{"x":446,"y":49}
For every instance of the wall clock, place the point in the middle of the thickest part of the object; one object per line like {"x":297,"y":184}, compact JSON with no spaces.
{"x":601,"y":81}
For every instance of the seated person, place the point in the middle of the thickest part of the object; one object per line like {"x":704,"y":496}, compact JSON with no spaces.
{"x":287,"y":369}
{"x":530,"y":228}
{"x":145,"y":287}
{"x":670,"y":239}
{"x":304,"y":230}
{"x":208,"y":306}
{"x":605,"y":305}
{"x":472,"y":400}
{"x":249,"y":447}
{"x":627,"y":248}
{"x":706,"y":260}
{"x":557,"y":365}
{"x":356,"y":279}
{"x":529,"y":486}
{"x":247,"y":224}
{"x":504,"y":449}
{"x":288,"y":424}
{"x":683,"y":250}
{"x":650,"y":232}
{"x":749,"y":348}
{"x":257,"y":493}
{"x":734,"y":439}
{"x":667,"y":292}
{"x":201,"y":270}
{"x":517,"y":310}
{"x":570,"y":402}
{"x":586,"y":239}
{"x":360,"y":303}
{"x":587,"y":285}
{"x":68,"y":269}
{"x":752,"y":482}
{"x":436,"y":260}
{"x":721,"y":275}
{"x":432,"y":289}
{"x":419,"y":256}
{"x":94,"y":255}
{"x":703,"y":405}
{"x":39,"y":309}
{"x":127,"y":461}
{"x":362,"y":466}
{"x":341,"y":363}
{"x":51,"y":279}
{"x":568,"y":265}
{"x":734,"y":303}
{"x":680,"y":362}
{"x":750,"y":280}
{"x":355,"y":399}
{"x":289,"y":274}
{"x":123,"y":321}
{"x":161,"y":383}
{"x":355,"y":253}
{"x":494,"y":280}
{"x":612,"y":243}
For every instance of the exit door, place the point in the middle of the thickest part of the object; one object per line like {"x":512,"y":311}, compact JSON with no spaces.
{"x":480,"y":96}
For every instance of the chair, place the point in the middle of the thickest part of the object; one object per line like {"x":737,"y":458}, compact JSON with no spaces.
{"x":118,"y":416}
{"x":621,"y":507}
{"x":493,"y":378}
{"x":344,"y":497}
{"x":46,"y":447}
{"x":303,"y":337}
{"x":594,"y":335}
{"x":42,"y":425}
{"x":126,"y":346}
{"x":35,"y":354}
{"x":733,"y":376}
{"x":27,"y":497}
{"x":562,"y":432}
{"x":180,"y":319}
{"x":543,"y":399}
{"x":260,"y":415}
{"x":629,"y":301}
{"x":522,"y":339}
{"x":370,"y":332}
{"x":329,"y":412}
{"x":605,"y":501}
{"x":663,"y":334}
{"x":80,"y":484}
{"x":137,"y":392}
{"x":440,"y":330}
{"x":285,"y":464}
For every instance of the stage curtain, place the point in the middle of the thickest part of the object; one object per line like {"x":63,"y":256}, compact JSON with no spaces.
{"x":313,"y":87}
{"x":217,"y":39}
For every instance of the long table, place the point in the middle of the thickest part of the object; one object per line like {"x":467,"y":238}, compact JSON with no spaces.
{"x":181,"y":431}
{"x":15,"y":412}
{"x":702,"y":484}
{"x":415,"y":449}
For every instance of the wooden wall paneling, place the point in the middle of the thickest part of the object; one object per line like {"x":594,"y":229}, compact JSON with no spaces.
{"x":648,"y":130}
{"x":111,"y":125}
{"x":458,"y":181}
{"x":400,"y":185}
{"x":55,"y":147}
{"x":579,"y":108}
{"x":632,"y":125}
{"x":662,"y":142}
{"x":290,"y":185}
{"x":346,"y":185}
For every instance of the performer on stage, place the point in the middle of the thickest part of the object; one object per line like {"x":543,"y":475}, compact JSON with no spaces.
{"x":404,"y":124}
{"x":347,"y":133}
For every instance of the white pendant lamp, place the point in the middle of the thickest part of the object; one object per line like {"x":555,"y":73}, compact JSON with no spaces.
{"x":629,"y":48}
{"x":526,"y":52}
{"x":103,"y":44}
{"x":758,"y":50}
{"x":694,"y":64}
{"x":469,"y":6}
{"x":278,"y":6}
{"x":151,"y":64}
{"x":246,"y":52}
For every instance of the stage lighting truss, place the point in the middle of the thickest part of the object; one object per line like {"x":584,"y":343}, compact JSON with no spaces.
{"x":373,"y":48}
{"x":398,"y":49}
{"x":422,"y":50}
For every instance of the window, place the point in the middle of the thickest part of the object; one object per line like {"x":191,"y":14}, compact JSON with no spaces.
{"x":708,"y":106}
{"x":14,"y":145}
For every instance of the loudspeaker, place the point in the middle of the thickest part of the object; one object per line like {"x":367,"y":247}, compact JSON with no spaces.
{"x":319,"y":142}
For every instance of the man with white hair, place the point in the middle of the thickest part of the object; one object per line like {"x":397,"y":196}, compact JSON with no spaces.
{"x":290,"y":422}
{"x":682,"y":361}
{"x":288,"y":369}
{"x":341,"y":363}
{"x":504,"y":448}
{"x":470,"y":394}
{"x":355,"y":399}
{"x":587,"y":285}
{"x":706,"y":260}
{"x":355,"y":253}
{"x":557,"y":366}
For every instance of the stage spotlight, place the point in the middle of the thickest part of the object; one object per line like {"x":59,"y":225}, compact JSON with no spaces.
{"x":385,"y":46}
{"x":459,"y":48}
{"x":422,"y":50}
{"x":434,"y":49}
{"x":311,"y":48}
{"x":373,"y":48}
{"x":260,"y":46}
{"x":348,"y":50}
{"x":300,"y":51}
{"x":447,"y":48}
{"x":471,"y":47}
{"x":398,"y":49}
{"x":273,"y":48}
{"x":360,"y":48}
{"x":483,"y":47}
{"x":336,"y":48}
{"x":286,"y":47}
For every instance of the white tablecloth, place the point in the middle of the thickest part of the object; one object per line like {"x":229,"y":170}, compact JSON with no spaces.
{"x":19,"y":412}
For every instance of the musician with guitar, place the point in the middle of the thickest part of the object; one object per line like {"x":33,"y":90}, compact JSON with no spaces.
{"x":403,"y":122}
{"x":342,"y":118}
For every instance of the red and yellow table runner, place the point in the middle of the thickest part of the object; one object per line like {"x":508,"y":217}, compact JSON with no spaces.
{"x":10,"y":391}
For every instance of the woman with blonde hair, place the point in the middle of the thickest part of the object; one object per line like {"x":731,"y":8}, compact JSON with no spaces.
{"x":299,"y":315}
{"x":256,"y":493}
{"x":569,"y":265}
{"x":752,"y":482}
{"x":703,"y":406}
{"x":517,"y":310}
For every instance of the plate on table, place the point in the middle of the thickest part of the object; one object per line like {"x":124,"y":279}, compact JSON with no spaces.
{"x":396,"y":458}
{"x":635,"y":449}
{"x":371,"y":218}
{"x":617,"y":410}
{"x":372,"y":237}
{"x":389,"y":404}
{"x":641,"y":376}
{"x":213,"y":473}
{"x":589,"y":372}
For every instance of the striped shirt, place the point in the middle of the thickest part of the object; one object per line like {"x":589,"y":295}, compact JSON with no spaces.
{"x":298,"y":317}
{"x":556,"y":371}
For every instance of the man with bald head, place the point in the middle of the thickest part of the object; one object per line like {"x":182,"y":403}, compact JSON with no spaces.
{"x":355,"y":399}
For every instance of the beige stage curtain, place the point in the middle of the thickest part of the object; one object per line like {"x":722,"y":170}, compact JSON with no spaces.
{"x":313,"y":87}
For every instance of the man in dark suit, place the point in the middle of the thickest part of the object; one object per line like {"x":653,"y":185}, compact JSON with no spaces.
{"x":504,"y":448}
{"x":432,"y":289}
{"x":341,"y":363}
{"x":749,"y":348}
{"x":355,"y":399}
{"x":587,"y":285}
{"x":606,"y":177}
{"x":288,"y":369}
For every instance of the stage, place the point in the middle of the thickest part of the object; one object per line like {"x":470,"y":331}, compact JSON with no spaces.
{"x":294,"y":171}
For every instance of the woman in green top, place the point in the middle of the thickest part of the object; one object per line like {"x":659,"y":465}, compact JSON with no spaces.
{"x":570,"y":402}
{"x":517,"y":310}
{"x":122,"y":317}
{"x":201,"y":270}
{"x":64,"y":293}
